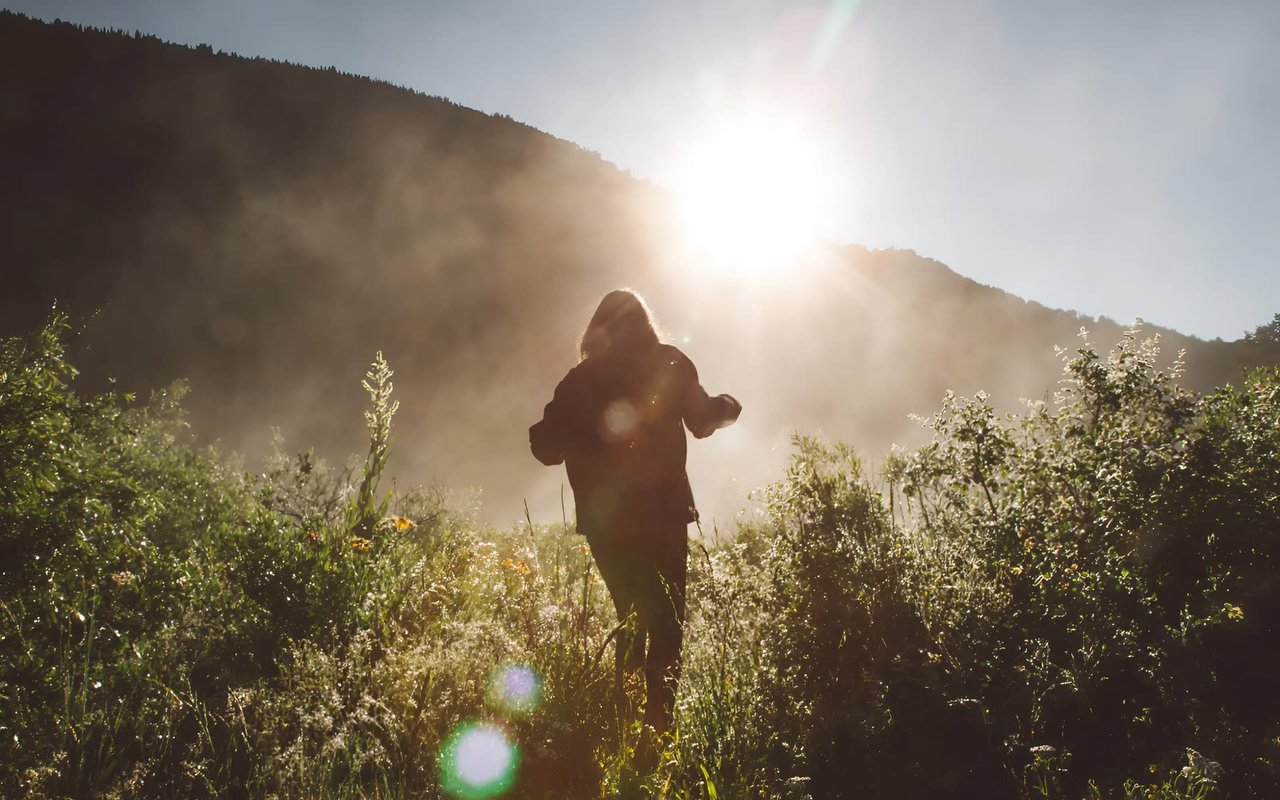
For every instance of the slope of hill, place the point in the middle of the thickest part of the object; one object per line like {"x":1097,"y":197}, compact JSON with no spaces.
{"x":262,"y":228}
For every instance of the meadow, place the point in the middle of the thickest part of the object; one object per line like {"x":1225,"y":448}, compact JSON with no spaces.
{"x":1080,"y":601}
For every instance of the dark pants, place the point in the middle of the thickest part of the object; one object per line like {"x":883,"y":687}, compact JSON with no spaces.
{"x":645,"y":572}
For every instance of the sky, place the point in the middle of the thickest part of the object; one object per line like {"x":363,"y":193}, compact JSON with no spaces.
{"x":1115,"y":158}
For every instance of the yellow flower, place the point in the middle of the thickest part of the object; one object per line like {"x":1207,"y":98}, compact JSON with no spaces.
{"x":361,"y":544}
{"x":397,"y":524}
{"x":518,"y":567}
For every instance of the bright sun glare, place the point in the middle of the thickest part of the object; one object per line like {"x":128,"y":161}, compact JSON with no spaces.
{"x":751,"y":192}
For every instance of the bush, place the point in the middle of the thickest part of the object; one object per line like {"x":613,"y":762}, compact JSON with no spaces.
{"x":176,"y":627}
{"x":1053,"y":605}
{"x":1077,"y":602}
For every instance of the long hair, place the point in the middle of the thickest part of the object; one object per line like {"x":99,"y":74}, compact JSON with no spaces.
{"x":622,"y":323}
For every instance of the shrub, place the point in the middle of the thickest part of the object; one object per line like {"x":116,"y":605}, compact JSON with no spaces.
{"x":1049,"y":605}
{"x":1077,"y":602}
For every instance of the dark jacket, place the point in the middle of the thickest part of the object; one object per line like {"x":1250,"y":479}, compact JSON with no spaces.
{"x":615,"y":421}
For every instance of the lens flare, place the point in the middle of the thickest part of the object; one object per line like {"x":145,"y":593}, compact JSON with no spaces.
{"x":477,"y":762}
{"x":619,"y":420}
{"x":515,"y":689}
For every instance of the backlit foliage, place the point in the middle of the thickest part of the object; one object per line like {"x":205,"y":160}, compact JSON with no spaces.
{"x":1079,"y":602}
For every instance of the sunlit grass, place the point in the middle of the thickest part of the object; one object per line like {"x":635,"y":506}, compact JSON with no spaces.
{"x":189,"y":630}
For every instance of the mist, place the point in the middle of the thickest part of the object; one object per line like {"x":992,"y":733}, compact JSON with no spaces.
{"x":261,"y":230}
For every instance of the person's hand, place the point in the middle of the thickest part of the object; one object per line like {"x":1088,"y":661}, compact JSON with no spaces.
{"x":732,"y":409}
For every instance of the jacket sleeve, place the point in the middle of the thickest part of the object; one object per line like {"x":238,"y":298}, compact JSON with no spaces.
{"x":547,"y":436}
{"x":704,"y":415}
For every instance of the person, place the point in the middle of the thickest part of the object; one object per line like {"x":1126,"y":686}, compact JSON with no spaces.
{"x":616,"y":421}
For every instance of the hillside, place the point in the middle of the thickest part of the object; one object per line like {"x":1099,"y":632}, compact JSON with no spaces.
{"x":261,"y":229}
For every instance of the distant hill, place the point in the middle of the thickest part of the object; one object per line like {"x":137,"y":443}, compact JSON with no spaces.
{"x":262,"y":228}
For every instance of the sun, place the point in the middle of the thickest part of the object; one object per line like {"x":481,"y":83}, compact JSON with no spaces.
{"x":751,"y":193}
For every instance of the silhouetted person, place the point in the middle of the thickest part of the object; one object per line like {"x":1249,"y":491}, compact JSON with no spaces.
{"x":616,"y":422}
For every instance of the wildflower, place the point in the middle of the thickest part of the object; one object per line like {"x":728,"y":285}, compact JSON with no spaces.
{"x":399,"y":524}
{"x":361,"y":544}
{"x":313,"y":537}
{"x":122,"y":578}
{"x":519,"y":567}
{"x":1199,"y":766}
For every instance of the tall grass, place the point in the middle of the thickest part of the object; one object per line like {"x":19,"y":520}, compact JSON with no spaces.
{"x":1079,"y":602}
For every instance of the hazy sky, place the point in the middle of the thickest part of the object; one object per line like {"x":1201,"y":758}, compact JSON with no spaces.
{"x":1117,"y":158}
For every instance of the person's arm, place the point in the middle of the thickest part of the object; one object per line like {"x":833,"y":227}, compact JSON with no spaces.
{"x":547,"y":436}
{"x":703,"y":414}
